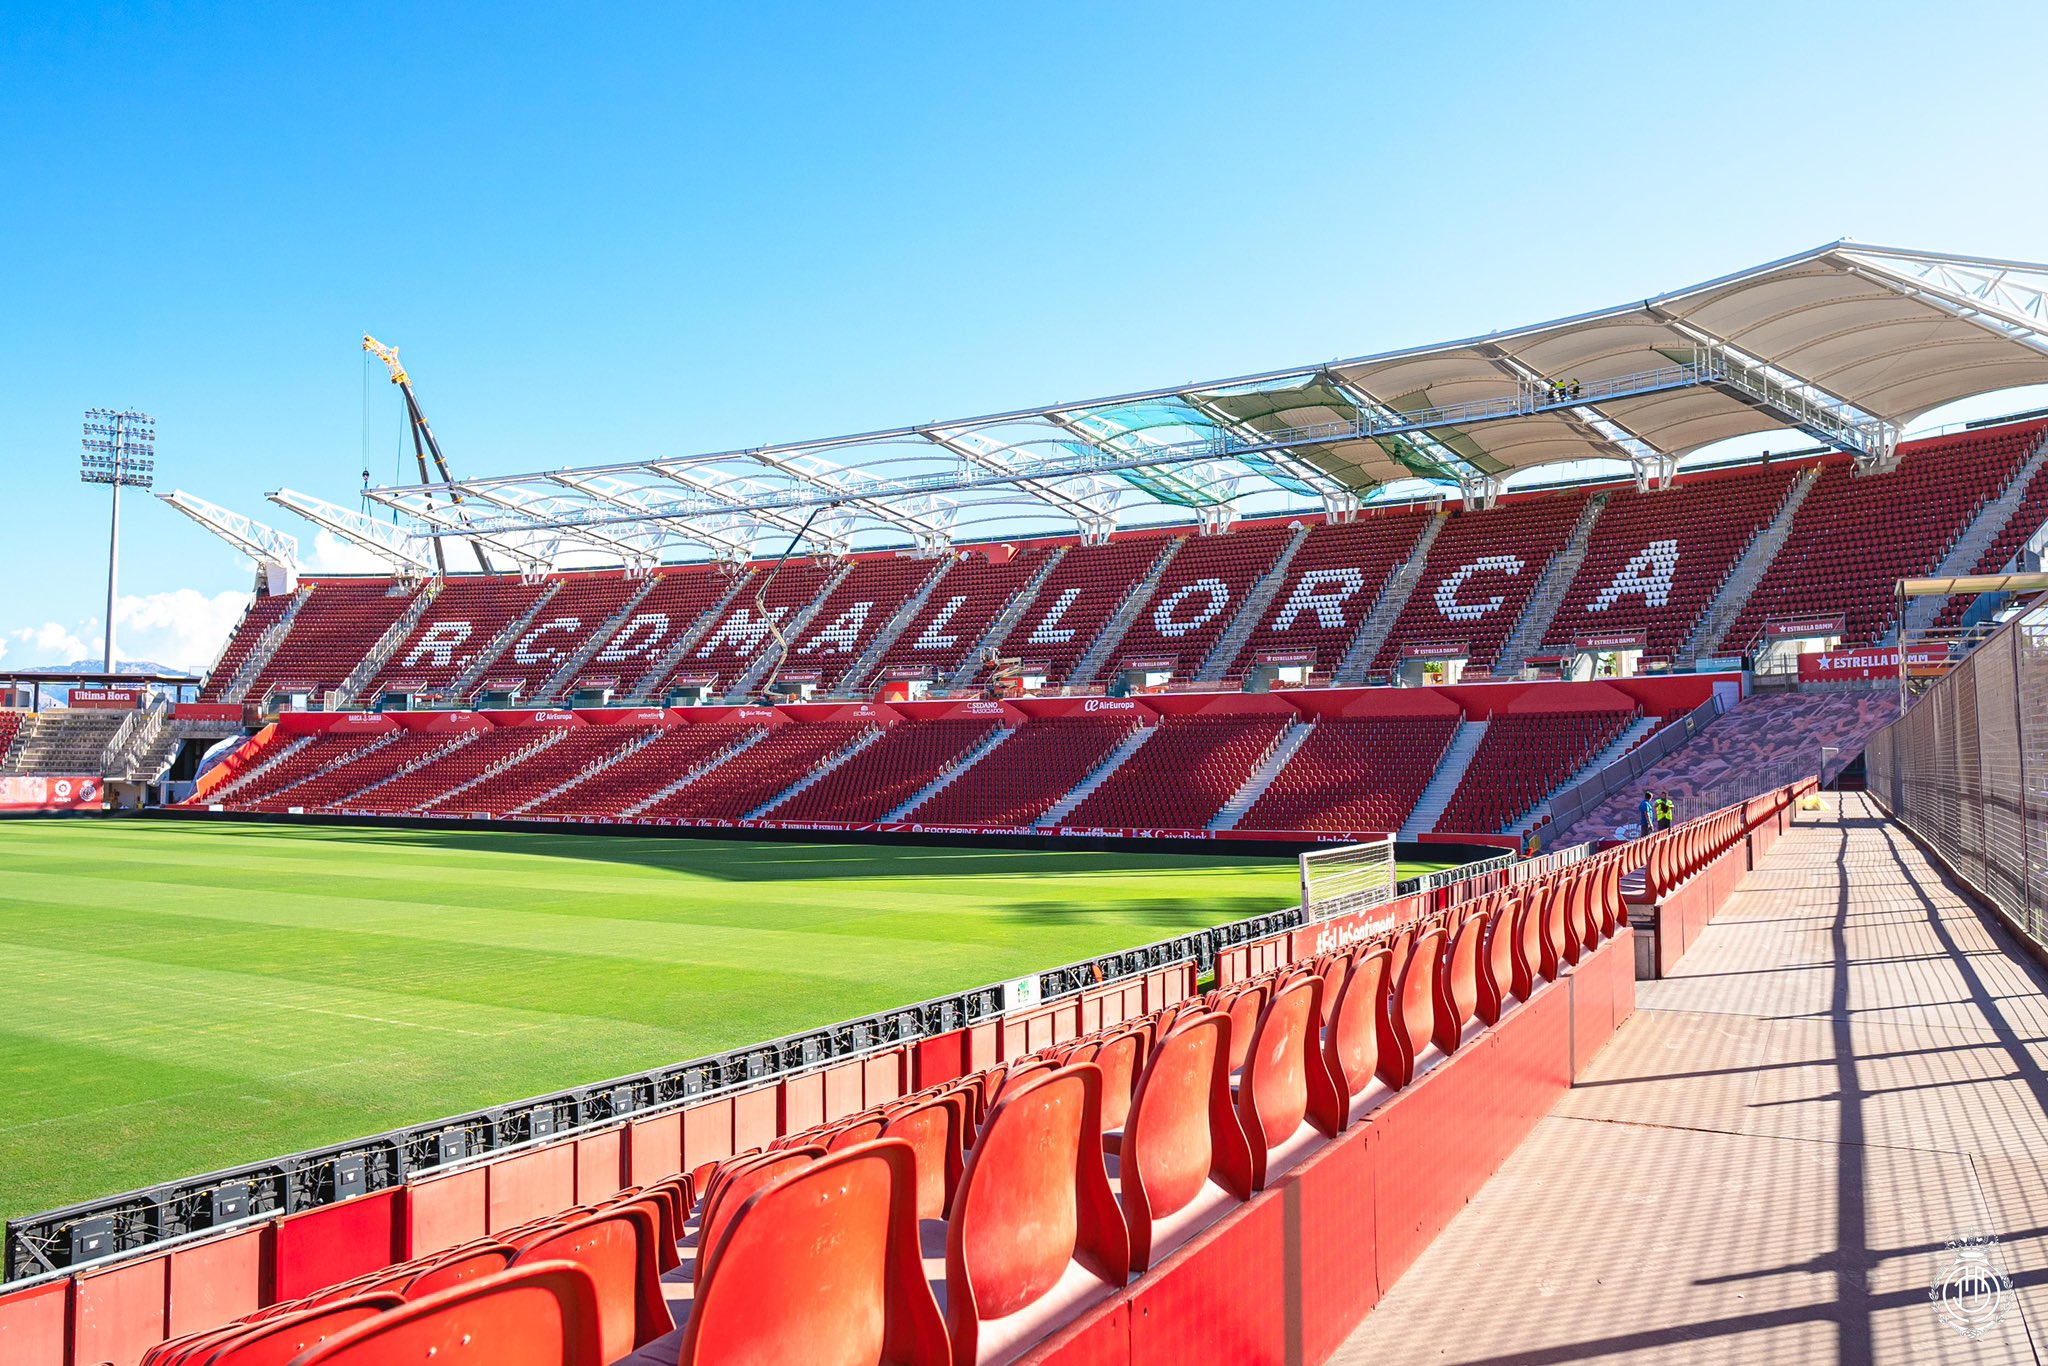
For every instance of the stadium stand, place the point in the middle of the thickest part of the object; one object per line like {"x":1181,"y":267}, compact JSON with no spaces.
{"x":1198,"y":596}
{"x":660,"y":621}
{"x":971,"y":596}
{"x":341,"y":621}
{"x":1656,"y":558}
{"x":1362,"y":773}
{"x":263,"y":613}
{"x":851,"y":615}
{"x":1018,"y":782}
{"x":1854,"y":536}
{"x":638,"y":777}
{"x":1480,"y":573}
{"x":1766,"y":735}
{"x":1081,"y":594}
{"x":753,"y":776}
{"x":372,"y":765}
{"x":885,"y":774}
{"x":582,"y":604}
{"x":10,"y":726}
{"x":313,"y":754}
{"x":1331,"y":585}
{"x":2027,"y":519}
{"x":460,"y":631}
{"x":572,"y":752}
{"x":443,"y":775}
{"x":1523,"y":758}
{"x":742,"y":634}
{"x":1181,"y":777}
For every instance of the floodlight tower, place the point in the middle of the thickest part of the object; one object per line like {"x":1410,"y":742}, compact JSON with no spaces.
{"x":119,"y":450}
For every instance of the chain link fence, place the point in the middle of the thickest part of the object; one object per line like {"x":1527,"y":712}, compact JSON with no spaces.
{"x":1966,"y":769}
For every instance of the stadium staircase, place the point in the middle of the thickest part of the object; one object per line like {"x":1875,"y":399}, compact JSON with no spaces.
{"x":1631,"y":735}
{"x":1112,"y":631}
{"x":1379,"y":623}
{"x":260,"y":652}
{"x":745,"y":742}
{"x":1747,"y":574}
{"x":770,"y":658}
{"x":558,"y":682}
{"x":951,"y":772}
{"x":1967,"y":554}
{"x":74,"y":742}
{"x":653,"y":678}
{"x":466,"y":682}
{"x":1085,"y":789}
{"x":854,"y":680}
{"x":1262,"y":777}
{"x":1005,"y":621}
{"x":867,"y":737}
{"x":372,"y":663}
{"x":1251,"y":612}
{"x":547,"y":740}
{"x":1550,"y":592}
{"x":1444,"y":784}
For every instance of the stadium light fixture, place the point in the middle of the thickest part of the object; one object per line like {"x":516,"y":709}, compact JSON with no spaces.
{"x":118,"y":449}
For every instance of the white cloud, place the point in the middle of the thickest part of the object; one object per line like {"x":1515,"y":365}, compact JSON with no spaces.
{"x":330,"y":554}
{"x":183,"y":628}
{"x":51,"y":643}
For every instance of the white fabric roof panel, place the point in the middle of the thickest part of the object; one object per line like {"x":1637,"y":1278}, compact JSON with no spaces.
{"x":1846,"y":341}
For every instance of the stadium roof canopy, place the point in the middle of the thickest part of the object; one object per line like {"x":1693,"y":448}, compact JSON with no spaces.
{"x":1846,"y":343}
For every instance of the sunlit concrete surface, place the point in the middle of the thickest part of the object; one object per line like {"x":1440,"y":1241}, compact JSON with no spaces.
{"x":1772,"y":1159}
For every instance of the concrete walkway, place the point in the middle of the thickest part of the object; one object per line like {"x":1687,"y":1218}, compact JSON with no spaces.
{"x":1770,"y":1160}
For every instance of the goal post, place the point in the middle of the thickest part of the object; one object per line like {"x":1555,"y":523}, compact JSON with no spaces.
{"x":1347,"y":877}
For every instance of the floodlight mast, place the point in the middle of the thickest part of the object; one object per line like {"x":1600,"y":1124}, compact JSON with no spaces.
{"x":423,"y":444}
{"x":117,"y":449}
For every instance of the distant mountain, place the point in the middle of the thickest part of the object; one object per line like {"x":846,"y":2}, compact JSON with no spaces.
{"x":92,"y":666}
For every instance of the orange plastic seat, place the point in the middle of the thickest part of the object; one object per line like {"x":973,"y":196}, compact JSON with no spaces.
{"x":277,"y":1341}
{"x":617,"y":1248}
{"x":1183,"y":1160}
{"x":1036,"y":1236}
{"x":864,"y":1129}
{"x":822,"y":1268}
{"x":544,"y":1314}
{"x":1120,"y":1056}
{"x":1285,"y":1097}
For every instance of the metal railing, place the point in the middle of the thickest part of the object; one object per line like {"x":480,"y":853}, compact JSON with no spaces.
{"x":1966,"y":769}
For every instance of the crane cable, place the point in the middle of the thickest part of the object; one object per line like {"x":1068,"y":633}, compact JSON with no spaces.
{"x":761,"y":601}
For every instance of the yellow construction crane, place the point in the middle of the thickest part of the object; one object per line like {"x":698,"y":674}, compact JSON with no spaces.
{"x":423,"y":444}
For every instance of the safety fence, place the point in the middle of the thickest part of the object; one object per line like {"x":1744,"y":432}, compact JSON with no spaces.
{"x":1965,"y":768}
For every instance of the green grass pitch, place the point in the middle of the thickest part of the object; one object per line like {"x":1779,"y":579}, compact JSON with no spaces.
{"x":175,"y":998}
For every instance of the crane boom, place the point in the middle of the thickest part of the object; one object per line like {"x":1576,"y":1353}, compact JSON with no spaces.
{"x":423,"y":443}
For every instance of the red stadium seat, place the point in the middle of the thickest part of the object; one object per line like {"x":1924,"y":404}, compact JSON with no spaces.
{"x":822,"y":1268}
{"x":1036,"y":1236}
{"x":282,"y":1339}
{"x":617,"y":1248}
{"x":1410,"y":1015}
{"x":934,"y":1129}
{"x":1183,"y":1160}
{"x":1457,"y":992}
{"x":450,"y":1271}
{"x":1285,"y":1098}
{"x":1351,"y":1038}
{"x":544,"y":1314}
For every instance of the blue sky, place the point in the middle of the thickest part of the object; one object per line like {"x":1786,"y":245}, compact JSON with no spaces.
{"x":632,"y":231}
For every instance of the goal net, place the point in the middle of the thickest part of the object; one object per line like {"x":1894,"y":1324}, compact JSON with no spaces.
{"x":1347,"y":877}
